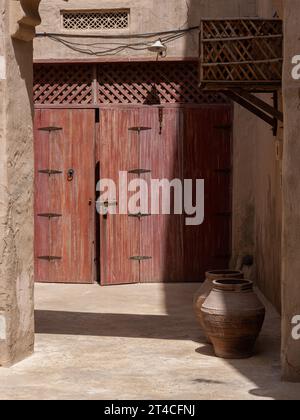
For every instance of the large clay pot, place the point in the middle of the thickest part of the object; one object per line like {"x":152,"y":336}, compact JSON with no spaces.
{"x":233,"y":317}
{"x":202,"y":293}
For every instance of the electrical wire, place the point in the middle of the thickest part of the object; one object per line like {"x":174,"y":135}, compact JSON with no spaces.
{"x":121,"y":36}
{"x":116,"y":47}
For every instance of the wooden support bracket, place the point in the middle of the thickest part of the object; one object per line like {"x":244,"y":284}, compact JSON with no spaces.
{"x":269,"y":114}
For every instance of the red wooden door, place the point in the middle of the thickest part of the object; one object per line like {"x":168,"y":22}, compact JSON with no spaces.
{"x":207,"y":155}
{"x":64,"y":195}
{"x":184,"y":143}
{"x":120,"y":234}
{"x":162,"y":234}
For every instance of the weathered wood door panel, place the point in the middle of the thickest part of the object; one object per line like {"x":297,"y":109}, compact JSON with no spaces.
{"x":207,"y":155}
{"x":120,"y":238}
{"x":161,"y":151}
{"x":64,"y":206}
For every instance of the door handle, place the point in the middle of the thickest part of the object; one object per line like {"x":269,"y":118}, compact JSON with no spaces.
{"x":70,"y":174}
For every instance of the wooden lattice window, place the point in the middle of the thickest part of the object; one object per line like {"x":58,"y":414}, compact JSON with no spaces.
{"x":95,"y":20}
{"x":121,"y":84}
{"x":240,"y":52}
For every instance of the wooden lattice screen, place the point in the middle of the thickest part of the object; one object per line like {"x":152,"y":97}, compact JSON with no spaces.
{"x":63,"y":84}
{"x":120,"y":84}
{"x":241,"y":52}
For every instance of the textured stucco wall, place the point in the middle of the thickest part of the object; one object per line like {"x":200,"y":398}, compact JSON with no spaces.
{"x":16,"y":193}
{"x":145,"y":16}
{"x":268,"y":193}
{"x":291,"y":195}
{"x":257,"y":193}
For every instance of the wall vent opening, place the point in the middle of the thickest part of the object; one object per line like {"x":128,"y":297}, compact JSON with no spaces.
{"x":95,"y":20}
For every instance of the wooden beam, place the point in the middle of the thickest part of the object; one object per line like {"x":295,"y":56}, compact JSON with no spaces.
{"x":250,"y":107}
{"x":260,"y":103}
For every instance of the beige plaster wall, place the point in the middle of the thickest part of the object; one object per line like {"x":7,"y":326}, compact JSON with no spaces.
{"x":16,"y":194}
{"x":291,"y":195}
{"x":145,"y":16}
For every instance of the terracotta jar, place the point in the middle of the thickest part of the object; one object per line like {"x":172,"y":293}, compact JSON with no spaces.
{"x":233,"y":317}
{"x":202,"y":293}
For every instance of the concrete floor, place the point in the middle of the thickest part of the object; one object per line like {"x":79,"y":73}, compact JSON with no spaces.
{"x":136,"y":342}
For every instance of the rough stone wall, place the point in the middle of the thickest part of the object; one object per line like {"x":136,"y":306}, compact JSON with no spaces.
{"x":291,"y":195}
{"x":145,"y":16}
{"x":16,"y":195}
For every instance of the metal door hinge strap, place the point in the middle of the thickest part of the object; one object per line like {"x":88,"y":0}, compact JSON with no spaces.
{"x":50,"y":172}
{"x":49,"y":129}
{"x":49,"y":215}
{"x":140,"y":258}
{"x":224,"y":170}
{"x":139,"y":129}
{"x":224,"y":214}
{"x":139,"y":215}
{"x":49,"y":258}
{"x":139,"y":171}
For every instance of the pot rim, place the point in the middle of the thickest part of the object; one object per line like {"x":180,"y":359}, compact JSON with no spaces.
{"x":232,"y":285}
{"x":225,"y":272}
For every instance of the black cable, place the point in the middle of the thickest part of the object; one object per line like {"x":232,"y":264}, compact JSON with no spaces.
{"x":101,"y":36}
{"x":78,"y":47}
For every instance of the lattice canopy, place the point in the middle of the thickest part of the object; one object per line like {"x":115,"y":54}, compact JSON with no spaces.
{"x":241,"y":52}
{"x":121,"y":84}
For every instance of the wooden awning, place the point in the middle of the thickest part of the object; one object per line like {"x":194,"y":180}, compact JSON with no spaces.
{"x":241,"y":53}
{"x":243,"y":56}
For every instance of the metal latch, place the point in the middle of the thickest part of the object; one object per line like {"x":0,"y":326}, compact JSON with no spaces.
{"x":70,"y":173}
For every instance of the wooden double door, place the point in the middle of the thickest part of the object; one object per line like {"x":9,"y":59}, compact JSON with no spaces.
{"x":73,"y":243}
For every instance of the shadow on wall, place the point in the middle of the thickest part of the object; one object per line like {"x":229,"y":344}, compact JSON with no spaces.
{"x":25,"y":68}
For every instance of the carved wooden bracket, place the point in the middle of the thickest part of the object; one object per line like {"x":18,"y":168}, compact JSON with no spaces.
{"x":24,"y":17}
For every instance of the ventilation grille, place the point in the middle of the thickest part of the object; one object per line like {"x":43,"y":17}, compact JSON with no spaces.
{"x":89,"y":21}
{"x":121,"y":83}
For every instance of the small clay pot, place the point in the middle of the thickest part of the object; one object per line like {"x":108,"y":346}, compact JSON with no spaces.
{"x":202,"y":293}
{"x":233,"y":317}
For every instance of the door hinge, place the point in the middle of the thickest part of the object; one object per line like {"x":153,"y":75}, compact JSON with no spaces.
{"x":139,"y":129}
{"x":139,"y":171}
{"x":140,"y":258}
{"x":50,"y":172}
{"x":139,"y":215}
{"x":223,"y":127}
{"x":50,"y":215}
{"x":49,"y":258}
{"x":50,"y":129}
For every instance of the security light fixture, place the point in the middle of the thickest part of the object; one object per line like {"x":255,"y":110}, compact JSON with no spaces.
{"x":158,"y":47}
